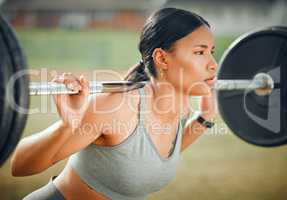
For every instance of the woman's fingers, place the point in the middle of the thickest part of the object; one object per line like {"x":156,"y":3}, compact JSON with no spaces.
{"x":208,"y":105}
{"x":84,"y":85}
{"x":79,"y":85}
{"x":71,"y":107}
{"x":70,"y":81}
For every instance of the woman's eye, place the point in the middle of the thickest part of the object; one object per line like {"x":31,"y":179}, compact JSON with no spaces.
{"x":199,"y":52}
{"x":212,"y":52}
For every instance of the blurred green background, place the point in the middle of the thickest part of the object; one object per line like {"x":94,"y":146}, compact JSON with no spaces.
{"x":219,"y":166}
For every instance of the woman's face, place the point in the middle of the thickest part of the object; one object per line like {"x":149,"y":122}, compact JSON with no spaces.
{"x":191,"y":62}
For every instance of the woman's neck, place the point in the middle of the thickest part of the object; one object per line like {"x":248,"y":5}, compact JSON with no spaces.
{"x":167,"y":100}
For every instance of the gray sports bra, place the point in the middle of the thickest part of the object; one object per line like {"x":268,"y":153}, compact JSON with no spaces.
{"x":131,"y":169}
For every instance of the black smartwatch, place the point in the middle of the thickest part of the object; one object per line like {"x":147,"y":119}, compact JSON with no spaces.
{"x":205,"y":123}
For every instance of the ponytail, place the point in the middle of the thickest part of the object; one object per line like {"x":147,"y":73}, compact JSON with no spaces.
{"x":137,"y":73}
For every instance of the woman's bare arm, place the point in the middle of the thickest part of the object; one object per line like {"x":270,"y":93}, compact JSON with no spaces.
{"x":39,"y":151}
{"x":191,"y":132}
{"x":193,"y":129}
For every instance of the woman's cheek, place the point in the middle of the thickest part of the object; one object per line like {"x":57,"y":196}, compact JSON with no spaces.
{"x":188,"y":74}
{"x":188,"y":79}
{"x":196,"y":85}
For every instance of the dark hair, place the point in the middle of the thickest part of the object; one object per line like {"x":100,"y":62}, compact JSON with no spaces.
{"x":161,"y":30}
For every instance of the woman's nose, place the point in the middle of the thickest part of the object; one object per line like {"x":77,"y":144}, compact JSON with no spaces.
{"x":212,"y":65}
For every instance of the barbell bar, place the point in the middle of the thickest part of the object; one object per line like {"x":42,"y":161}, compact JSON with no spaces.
{"x":261,"y":81}
{"x":254,"y":67}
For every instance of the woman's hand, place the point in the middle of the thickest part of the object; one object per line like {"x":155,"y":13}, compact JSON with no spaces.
{"x":208,"y":105}
{"x":71,"y":107}
{"x":208,"y":109}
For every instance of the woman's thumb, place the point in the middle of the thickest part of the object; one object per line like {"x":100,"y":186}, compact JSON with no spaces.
{"x":84,"y":84}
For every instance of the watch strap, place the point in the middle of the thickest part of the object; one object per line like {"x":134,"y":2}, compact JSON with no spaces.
{"x":204,"y":122}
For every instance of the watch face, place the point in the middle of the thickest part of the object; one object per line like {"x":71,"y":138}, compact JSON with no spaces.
{"x":205,"y":123}
{"x":208,"y":124}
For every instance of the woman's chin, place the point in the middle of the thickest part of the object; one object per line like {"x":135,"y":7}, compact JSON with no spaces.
{"x":200,"y":90}
{"x":199,"y":93}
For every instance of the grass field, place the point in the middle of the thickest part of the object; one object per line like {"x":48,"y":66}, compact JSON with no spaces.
{"x":87,"y":49}
{"x":219,"y":166}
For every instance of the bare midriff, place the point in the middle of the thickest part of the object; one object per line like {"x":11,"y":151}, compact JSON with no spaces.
{"x":72,"y":187}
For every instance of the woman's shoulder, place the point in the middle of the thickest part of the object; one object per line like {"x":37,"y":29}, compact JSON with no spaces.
{"x":114,"y":102}
{"x":108,"y":107}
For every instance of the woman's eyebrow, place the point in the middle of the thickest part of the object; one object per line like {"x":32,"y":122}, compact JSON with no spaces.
{"x":204,"y":46}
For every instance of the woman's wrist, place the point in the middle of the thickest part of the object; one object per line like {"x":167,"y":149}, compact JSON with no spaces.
{"x":207,"y":117}
{"x":204,"y":119}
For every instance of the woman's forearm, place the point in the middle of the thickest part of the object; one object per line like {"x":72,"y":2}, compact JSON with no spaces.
{"x":36,"y":152}
{"x":191,"y":133}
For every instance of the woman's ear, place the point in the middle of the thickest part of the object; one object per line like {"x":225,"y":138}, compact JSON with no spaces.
{"x":160,"y":58}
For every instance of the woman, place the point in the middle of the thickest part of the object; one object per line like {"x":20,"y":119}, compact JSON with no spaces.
{"x":140,"y":156}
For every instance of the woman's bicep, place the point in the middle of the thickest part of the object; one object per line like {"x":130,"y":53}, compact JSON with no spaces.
{"x":87,"y":132}
{"x":82,"y":133}
{"x":78,"y":141}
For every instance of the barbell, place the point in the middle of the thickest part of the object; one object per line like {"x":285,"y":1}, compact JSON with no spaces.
{"x":251,"y":87}
{"x":262,"y":83}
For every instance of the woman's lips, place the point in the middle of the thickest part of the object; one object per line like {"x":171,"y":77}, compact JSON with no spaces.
{"x":210,"y":81}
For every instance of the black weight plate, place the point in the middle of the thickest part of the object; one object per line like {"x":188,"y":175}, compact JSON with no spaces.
{"x":259,"y":120}
{"x":20,"y":92}
{"x":6,"y":113}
